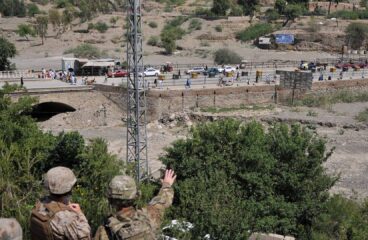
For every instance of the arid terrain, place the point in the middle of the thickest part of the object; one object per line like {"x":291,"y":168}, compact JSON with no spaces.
{"x":337,"y":125}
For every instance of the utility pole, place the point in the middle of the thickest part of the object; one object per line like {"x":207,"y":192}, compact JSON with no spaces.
{"x":136,"y":109}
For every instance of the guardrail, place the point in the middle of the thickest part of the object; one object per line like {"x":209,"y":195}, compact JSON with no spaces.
{"x":17,"y":74}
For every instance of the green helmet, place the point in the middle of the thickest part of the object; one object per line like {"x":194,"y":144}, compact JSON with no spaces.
{"x":60,"y":180}
{"x":10,"y":229}
{"x":122,"y":187}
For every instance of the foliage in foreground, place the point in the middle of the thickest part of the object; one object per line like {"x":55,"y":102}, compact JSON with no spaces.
{"x":233,"y":178}
{"x":26,"y":153}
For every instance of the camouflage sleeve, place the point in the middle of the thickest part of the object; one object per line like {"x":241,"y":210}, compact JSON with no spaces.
{"x":101,"y":234}
{"x":156,"y":207}
{"x":71,"y":225}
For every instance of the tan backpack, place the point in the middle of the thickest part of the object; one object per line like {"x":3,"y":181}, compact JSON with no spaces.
{"x":40,"y":224}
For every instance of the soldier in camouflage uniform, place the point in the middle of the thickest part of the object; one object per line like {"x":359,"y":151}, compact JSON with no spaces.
{"x":132,"y":223}
{"x":55,"y":217}
{"x":10,"y":229}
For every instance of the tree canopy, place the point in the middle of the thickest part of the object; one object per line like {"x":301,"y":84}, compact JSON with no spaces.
{"x":234,"y":178}
{"x":7,"y":50}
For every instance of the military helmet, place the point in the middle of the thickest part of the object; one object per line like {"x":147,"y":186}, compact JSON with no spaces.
{"x":122,"y":187}
{"x":60,"y":180}
{"x":10,"y":229}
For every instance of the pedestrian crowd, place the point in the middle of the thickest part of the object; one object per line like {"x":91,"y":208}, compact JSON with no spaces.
{"x":55,"y":217}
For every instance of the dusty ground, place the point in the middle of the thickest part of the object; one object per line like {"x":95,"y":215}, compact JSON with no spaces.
{"x":198,"y":45}
{"x":337,"y":125}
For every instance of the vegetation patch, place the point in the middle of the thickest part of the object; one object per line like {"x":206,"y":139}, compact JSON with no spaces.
{"x":241,"y":107}
{"x":85,"y":50}
{"x":362,"y":116}
{"x":254,"y":31}
{"x":326,"y":100}
{"x":226,"y":56}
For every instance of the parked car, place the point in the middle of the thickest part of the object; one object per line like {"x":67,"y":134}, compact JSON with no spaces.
{"x":229,"y":69}
{"x":213,"y":71}
{"x":196,"y":70}
{"x":150,"y":72}
{"x":117,"y":73}
{"x":343,"y":65}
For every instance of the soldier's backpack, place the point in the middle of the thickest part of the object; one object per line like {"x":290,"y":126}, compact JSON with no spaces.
{"x":135,"y":227}
{"x":40,"y":223}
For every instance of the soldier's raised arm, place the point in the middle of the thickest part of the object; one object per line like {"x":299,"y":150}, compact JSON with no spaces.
{"x":165,"y":197}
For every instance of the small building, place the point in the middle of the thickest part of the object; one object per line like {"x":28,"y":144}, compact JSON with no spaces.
{"x":86,"y":67}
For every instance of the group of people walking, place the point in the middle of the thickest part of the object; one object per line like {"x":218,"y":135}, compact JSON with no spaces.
{"x":55,"y":217}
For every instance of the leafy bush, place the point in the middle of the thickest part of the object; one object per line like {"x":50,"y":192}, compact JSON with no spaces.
{"x":13,"y":8}
{"x":362,"y":116}
{"x":356,"y":33}
{"x":195,"y":24}
{"x":345,"y":14}
{"x":26,"y":153}
{"x":226,"y":56}
{"x":218,"y":28}
{"x":25,"y":30}
{"x":220,"y":7}
{"x":272,"y":15}
{"x":172,"y":32}
{"x":236,"y":178}
{"x":153,"y":41}
{"x":152,"y":24}
{"x":254,"y":31}
{"x":32,"y":9}
{"x":85,"y":50}
{"x":7,"y":50}
{"x":101,"y":27}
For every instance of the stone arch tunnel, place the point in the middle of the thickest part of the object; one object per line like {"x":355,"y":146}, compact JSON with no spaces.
{"x":46,"y":110}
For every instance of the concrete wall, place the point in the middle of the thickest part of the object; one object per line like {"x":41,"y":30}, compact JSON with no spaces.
{"x":161,"y":102}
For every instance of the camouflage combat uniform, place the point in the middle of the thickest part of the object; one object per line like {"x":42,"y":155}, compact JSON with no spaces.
{"x":10,"y":229}
{"x":136,"y":224}
{"x":66,"y":223}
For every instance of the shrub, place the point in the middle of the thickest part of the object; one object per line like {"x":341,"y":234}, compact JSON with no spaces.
{"x":235,"y":178}
{"x":152,"y":24}
{"x":32,"y":10}
{"x":356,"y":34}
{"x":218,"y":28}
{"x":101,"y":27}
{"x":13,"y":8}
{"x":25,"y":30}
{"x":362,"y":116}
{"x":195,"y":24}
{"x":26,"y":153}
{"x":7,"y":50}
{"x":254,"y":31}
{"x":272,"y":15}
{"x":220,"y":7}
{"x":153,"y":41}
{"x":226,"y":56}
{"x":85,"y":50}
{"x":345,"y":14}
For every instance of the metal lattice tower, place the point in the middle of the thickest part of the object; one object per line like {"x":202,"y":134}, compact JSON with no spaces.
{"x":136,"y":110}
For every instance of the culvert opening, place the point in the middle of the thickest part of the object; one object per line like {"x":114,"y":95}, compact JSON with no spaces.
{"x":44,"y":111}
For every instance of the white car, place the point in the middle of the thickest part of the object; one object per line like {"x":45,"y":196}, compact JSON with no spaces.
{"x":196,"y":70}
{"x":150,"y":72}
{"x":229,"y":69}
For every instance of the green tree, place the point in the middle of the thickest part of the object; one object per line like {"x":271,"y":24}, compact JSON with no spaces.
{"x":280,"y":6}
{"x":356,"y":34}
{"x":25,"y":30}
{"x":32,"y":10}
{"x":85,"y":50}
{"x":168,"y":40}
{"x":234,"y":178}
{"x":220,"y":7}
{"x":67,"y":17}
{"x":293,"y":11}
{"x":13,"y":8}
{"x":41,"y":26}
{"x":26,"y":153}
{"x":226,"y":56}
{"x":249,"y":7}
{"x":7,"y":50}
